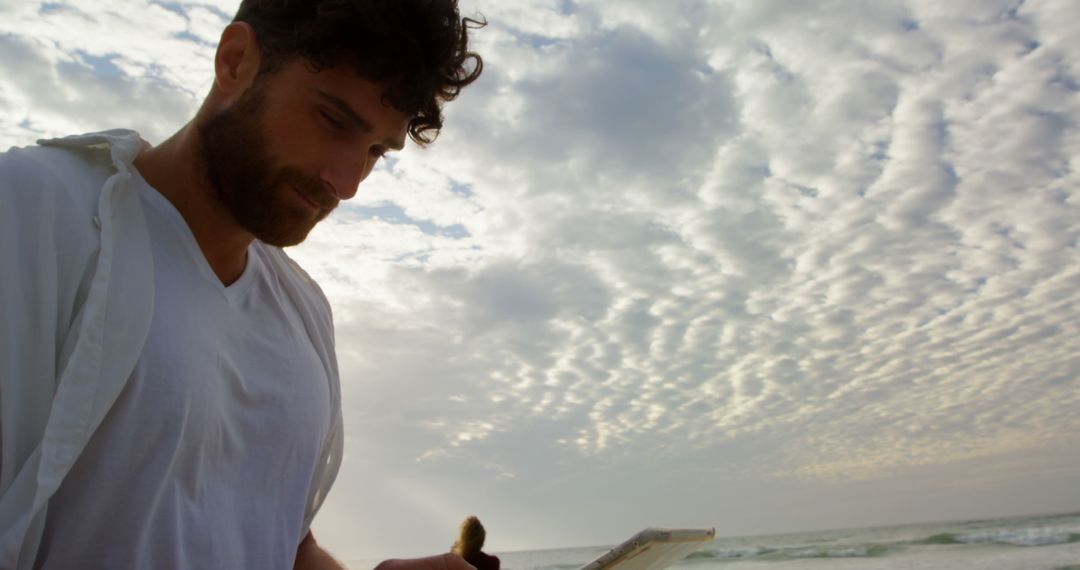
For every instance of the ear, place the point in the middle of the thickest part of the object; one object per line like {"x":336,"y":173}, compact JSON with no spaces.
{"x":237,"y":60}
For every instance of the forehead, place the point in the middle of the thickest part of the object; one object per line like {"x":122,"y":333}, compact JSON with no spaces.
{"x":368,"y":95}
{"x":340,"y":81}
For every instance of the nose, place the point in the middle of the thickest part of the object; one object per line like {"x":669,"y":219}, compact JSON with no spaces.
{"x":344,"y":175}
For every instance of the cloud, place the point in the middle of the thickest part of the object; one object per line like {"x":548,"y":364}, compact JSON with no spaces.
{"x":87,"y":66}
{"x":820,"y":248}
{"x":698,"y":255}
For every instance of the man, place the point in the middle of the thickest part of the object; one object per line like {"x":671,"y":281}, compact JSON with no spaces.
{"x":169,"y":394}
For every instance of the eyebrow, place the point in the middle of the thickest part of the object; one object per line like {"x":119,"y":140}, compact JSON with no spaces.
{"x":360,"y":122}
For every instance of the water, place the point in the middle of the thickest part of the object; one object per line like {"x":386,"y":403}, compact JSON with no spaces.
{"x":1050,"y":542}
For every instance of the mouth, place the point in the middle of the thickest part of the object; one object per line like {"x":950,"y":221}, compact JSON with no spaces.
{"x":309,"y":202}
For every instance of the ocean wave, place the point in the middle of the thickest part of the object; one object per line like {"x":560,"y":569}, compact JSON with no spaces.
{"x":860,"y":551}
{"x":767,"y":553}
{"x":943,"y":538}
{"x":731,"y":553}
{"x":1020,"y":537}
{"x":1024,"y":537}
{"x":1012,"y":537}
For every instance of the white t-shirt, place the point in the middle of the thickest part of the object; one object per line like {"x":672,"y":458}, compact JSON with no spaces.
{"x":207,"y":458}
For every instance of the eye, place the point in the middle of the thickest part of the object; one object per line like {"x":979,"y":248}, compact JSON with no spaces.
{"x":331,"y":120}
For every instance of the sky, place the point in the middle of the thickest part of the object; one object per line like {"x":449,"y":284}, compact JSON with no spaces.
{"x":763,"y":266}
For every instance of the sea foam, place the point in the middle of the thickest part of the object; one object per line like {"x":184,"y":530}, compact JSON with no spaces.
{"x":1021,"y":537}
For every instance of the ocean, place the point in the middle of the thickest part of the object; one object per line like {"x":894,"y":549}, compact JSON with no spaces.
{"x":1047,"y":542}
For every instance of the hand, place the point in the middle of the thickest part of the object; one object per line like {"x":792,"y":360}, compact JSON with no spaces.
{"x":311,"y":556}
{"x":441,"y":562}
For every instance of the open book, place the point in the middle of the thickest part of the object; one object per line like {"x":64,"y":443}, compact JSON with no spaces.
{"x":653,"y":549}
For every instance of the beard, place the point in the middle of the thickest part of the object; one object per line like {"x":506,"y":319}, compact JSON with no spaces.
{"x":248,"y":181}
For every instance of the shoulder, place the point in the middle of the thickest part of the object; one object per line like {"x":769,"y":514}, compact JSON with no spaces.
{"x":288,"y":268}
{"x":57,"y":163}
{"x":42,"y":175}
{"x":300,"y":285}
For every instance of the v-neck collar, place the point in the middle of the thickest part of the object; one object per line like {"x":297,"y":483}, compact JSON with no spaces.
{"x":233,"y":292}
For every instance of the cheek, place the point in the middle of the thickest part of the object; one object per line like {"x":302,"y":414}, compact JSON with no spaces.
{"x":297,"y":147}
{"x":368,"y":169}
{"x":292,"y":131}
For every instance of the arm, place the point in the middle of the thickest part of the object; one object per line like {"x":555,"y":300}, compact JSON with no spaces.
{"x":311,"y":556}
{"x":438,"y":562}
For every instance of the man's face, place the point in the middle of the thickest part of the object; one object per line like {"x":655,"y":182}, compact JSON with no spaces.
{"x":296,"y":143}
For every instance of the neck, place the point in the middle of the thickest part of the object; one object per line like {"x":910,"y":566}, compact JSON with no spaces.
{"x":177,"y":170}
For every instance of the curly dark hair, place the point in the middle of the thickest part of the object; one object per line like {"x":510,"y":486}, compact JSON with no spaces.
{"x":419,"y":46}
